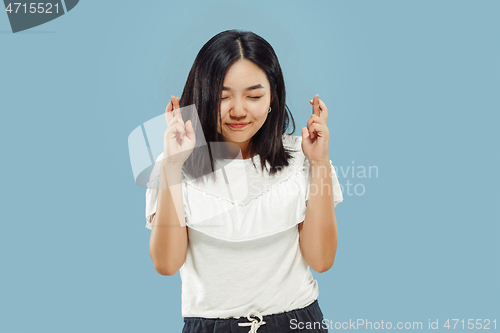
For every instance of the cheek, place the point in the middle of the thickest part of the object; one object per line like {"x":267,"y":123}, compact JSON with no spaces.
{"x":260,"y":111}
{"x":257,"y":107}
{"x":224,"y":110}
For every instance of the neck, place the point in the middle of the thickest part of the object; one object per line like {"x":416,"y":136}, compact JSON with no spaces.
{"x":244,"y":147}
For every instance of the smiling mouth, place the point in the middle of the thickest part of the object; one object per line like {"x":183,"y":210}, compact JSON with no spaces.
{"x":238,"y":126}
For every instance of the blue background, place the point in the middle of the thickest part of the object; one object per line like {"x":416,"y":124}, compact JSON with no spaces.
{"x":412,"y":88}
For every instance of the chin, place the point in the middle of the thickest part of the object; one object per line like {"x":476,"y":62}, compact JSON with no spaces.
{"x":238,"y":138}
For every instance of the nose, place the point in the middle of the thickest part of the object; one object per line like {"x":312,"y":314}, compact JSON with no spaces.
{"x":237,"y":110}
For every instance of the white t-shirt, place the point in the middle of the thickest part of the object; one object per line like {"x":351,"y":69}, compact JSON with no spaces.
{"x":243,"y":250}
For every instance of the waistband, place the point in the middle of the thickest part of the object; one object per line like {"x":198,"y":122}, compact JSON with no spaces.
{"x":255,"y":319}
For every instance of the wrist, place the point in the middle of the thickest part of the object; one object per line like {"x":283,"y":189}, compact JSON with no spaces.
{"x":172,"y":171}
{"x":171,"y":166}
{"x":324,"y":161}
{"x":320,"y":168}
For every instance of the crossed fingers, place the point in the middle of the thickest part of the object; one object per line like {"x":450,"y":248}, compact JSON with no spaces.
{"x":317,"y":121}
{"x":174,"y":118}
{"x":173,"y":112}
{"x":319,"y":108}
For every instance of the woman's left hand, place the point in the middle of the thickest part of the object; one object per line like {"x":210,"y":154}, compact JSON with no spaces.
{"x":315,"y":136}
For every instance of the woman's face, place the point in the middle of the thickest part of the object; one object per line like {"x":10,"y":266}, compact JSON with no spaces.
{"x":245,"y":99}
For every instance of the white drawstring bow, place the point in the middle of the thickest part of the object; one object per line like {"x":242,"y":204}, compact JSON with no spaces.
{"x":255,"y":324}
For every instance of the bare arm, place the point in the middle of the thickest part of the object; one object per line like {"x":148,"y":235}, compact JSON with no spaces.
{"x":318,"y":232}
{"x":169,"y":236}
{"x":169,"y":239}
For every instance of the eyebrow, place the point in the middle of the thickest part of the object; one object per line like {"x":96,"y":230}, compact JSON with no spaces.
{"x":257,"y":86}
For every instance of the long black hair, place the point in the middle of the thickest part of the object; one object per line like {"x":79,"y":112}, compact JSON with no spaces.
{"x":203,"y":89}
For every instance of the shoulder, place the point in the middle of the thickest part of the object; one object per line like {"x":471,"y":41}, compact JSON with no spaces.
{"x":293,"y":145}
{"x":292,"y":141}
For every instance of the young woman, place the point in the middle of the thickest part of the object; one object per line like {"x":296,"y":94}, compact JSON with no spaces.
{"x":243,"y":231}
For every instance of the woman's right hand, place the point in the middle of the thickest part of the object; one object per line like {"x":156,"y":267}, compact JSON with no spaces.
{"x":179,"y":139}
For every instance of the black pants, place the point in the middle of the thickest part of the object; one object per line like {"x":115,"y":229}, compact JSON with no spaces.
{"x":307,"y":319}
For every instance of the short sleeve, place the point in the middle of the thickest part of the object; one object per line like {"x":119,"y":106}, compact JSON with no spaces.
{"x":152,"y":192}
{"x":337,"y":191}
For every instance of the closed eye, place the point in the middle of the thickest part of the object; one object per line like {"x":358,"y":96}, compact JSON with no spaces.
{"x":251,"y":97}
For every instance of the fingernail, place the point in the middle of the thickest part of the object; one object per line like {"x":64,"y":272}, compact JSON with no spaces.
{"x":311,"y":100}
